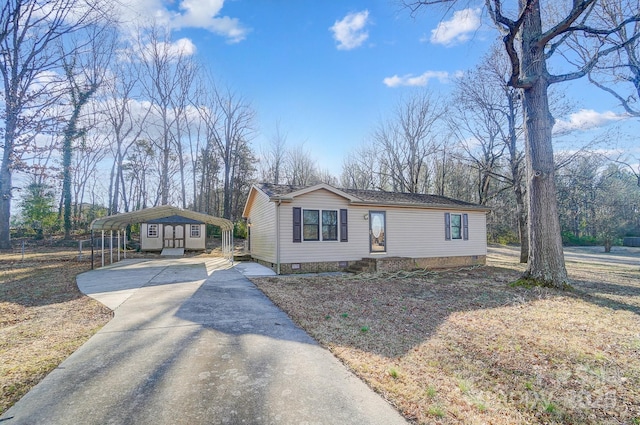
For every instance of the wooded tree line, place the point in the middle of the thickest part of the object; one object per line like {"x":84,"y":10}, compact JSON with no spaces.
{"x":91,"y":117}
{"x":123,"y":123}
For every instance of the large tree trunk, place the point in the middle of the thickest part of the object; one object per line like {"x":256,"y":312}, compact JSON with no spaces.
{"x":546,"y":258}
{"x":67,"y":152}
{"x":5,"y":199}
{"x":521,"y":210}
{"x":6,"y":180}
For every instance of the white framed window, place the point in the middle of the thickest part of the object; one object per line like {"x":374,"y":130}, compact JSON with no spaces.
{"x":152,"y":230}
{"x":195,"y":231}
{"x":311,"y":225}
{"x":329,"y":225}
{"x":319,"y":225}
{"x":456,"y":226}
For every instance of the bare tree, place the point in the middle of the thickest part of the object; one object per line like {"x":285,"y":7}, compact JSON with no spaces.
{"x":273,"y":157}
{"x":407,"y":140}
{"x":491,"y":114}
{"x":140,"y":163}
{"x":85,"y":166}
{"x":125,"y":121}
{"x":230,"y":127}
{"x":530,"y":44}
{"x":85,"y":65}
{"x":162,"y":63}
{"x":360,"y":169}
{"x":619,"y":73}
{"x":29,"y":33}
{"x":184,"y":116}
{"x":207,"y":163}
{"x":301,"y":168}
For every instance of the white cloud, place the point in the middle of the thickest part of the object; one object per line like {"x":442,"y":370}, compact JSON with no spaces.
{"x":420,"y":80}
{"x":457,"y":29}
{"x":350,"y":31}
{"x":174,"y":50}
{"x":204,"y":14}
{"x":586,"y":119}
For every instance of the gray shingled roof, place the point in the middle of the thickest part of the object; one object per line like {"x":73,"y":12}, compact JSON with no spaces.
{"x":175,"y":219}
{"x":376,"y":196}
{"x":279,"y":189}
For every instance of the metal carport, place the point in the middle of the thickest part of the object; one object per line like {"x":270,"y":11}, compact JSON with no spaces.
{"x":119,"y":223}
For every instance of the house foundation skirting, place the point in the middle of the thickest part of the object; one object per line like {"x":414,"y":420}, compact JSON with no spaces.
{"x":386,"y":264}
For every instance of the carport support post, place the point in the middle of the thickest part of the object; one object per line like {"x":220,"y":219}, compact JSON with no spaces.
{"x":102,"y":248}
{"x":118,"y":244}
{"x":110,"y":246}
{"x":92,"y":240}
{"x":124,"y":243}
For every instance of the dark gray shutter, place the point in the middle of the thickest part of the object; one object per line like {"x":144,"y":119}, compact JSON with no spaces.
{"x":344,"y":235}
{"x":465,"y":227}
{"x":297,"y":224}
{"x":447,"y":226}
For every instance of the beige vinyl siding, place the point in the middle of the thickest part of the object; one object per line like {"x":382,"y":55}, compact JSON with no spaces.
{"x":411,"y":232}
{"x":418,"y":233}
{"x":319,"y":251}
{"x":263,"y":228}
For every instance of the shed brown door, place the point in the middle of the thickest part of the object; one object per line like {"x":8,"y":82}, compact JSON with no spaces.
{"x":173,"y":236}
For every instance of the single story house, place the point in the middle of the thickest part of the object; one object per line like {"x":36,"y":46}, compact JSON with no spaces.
{"x":322,"y":228}
{"x":174,"y":231}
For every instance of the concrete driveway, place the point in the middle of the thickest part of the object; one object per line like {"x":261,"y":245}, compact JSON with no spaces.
{"x":193,"y":341}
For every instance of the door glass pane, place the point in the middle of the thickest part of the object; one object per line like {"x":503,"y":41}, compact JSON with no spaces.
{"x":377,"y":231}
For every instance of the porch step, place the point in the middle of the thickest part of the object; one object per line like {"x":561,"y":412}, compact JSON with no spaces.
{"x":242,"y":257}
{"x":174,"y":252}
{"x":366,"y":265}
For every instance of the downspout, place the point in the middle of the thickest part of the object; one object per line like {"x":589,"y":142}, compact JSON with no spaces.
{"x":278,"y":237}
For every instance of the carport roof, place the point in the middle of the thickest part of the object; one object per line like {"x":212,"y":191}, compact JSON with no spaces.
{"x":120,"y":221}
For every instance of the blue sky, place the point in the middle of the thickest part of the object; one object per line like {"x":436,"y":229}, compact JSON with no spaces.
{"x":329,"y":71}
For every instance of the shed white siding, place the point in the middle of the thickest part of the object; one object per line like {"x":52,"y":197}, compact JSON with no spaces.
{"x":195,"y":242}
{"x":157,"y":243}
{"x":154,"y":243}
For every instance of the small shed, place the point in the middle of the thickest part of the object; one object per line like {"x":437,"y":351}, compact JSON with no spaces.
{"x":175,"y":231}
{"x":173,"y":227}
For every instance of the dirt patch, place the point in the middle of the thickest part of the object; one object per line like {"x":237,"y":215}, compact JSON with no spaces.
{"x":43,"y":316}
{"x":465,"y":347}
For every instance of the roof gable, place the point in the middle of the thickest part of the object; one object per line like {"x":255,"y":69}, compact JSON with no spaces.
{"x":174,"y":219}
{"x":288,"y":192}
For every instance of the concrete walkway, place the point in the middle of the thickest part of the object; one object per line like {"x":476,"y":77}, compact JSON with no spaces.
{"x":193,"y":341}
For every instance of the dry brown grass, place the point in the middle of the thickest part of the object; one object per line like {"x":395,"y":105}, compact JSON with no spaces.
{"x":465,"y":347}
{"x":43,"y":316}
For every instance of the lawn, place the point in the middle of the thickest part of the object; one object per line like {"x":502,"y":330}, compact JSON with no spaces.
{"x":464,"y":346}
{"x":43,"y":316}
{"x":459,"y":346}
